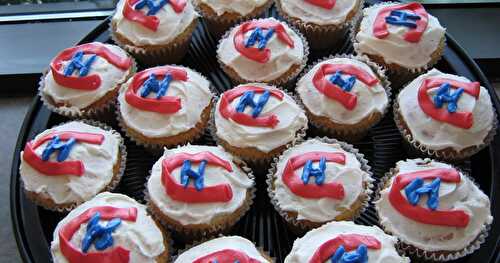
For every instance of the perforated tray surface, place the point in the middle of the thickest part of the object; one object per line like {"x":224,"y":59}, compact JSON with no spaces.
{"x":382,"y":147}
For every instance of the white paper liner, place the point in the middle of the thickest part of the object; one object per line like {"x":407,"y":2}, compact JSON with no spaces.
{"x":92,"y":113}
{"x":299,"y":136}
{"x":329,"y":35}
{"x":357,"y":133}
{"x":158,"y":148}
{"x":271,"y":177}
{"x":109,"y":188}
{"x":189,"y":233}
{"x":282,"y":80}
{"x":441,"y":154}
{"x":437,"y":256}
{"x":205,"y":239}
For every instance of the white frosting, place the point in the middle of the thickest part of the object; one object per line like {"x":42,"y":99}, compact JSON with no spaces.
{"x":111,"y":77}
{"x":303,"y":248}
{"x":97,"y":159}
{"x":394,"y":48}
{"x":221,"y":243}
{"x":324,"y":209}
{"x":199,"y":213}
{"x":291,"y":120}
{"x":369,"y":99}
{"x":314,"y":14}
{"x":281,"y":60}
{"x":142,"y":238}
{"x":240,"y":7}
{"x":437,"y":135}
{"x":464,"y":196}
{"x":195,"y":97}
{"x":171,"y":25}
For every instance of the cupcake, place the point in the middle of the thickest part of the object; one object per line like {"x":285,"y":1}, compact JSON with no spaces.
{"x":345,"y":242}
{"x":256,"y":122}
{"x":344,"y":96}
{"x":220,"y":15}
{"x":199,"y":190}
{"x":83,"y":81}
{"x":323,"y":23}
{"x":165,"y":106}
{"x":262,"y":50}
{"x":69,"y":164}
{"x":434,"y":209}
{"x":340,"y":189}
{"x":109,"y":228}
{"x":154,"y":32}
{"x":445,"y":115}
{"x":403,"y":38}
{"x":224,"y":249}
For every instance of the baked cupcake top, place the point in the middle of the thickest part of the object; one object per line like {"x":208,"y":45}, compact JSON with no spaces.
{"x":329,"y":12}
{"x":239,"y":7}
{"x":258,"y":115}
{"x":433,"y":206}
{"x":337,"y":240}
{"x":338,"y":183}
{"x":446,"y":111}
{"x":345,"y":90}
{"x":193,"y":184}
{"x":164,"y":101}
{"x":150,"y":23}
{"x":402,"y":34}
{"x":70,"y":163}
{"x":223,"y":249}
{"x":79,"y":76}
{"x":108,"y":228}
{"x":261,"y":50}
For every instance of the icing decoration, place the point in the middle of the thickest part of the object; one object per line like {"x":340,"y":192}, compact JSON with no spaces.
{"x":416,"y":188}
{"x":149,"y":20}
{"x":434,"y":110}
{"x":61,"y":167}
{"x":318,"y":173}
{"x":226,"y":256}
{"x":84,"y":81}
{"x":162,"y":104}
{"x":99,"y":235}
{"x":298,"y":185}
{"x":452,"y":218}
{"x":387,"y":15}
{"x":63,"y":148}
{"x":335,"y":248}
{"x":260,"y":54}
{"x":247,"y":100}
{"x":198,"y":194}
{"x":338,"y":89}
{"x":228,"y":112}
{"x":326,"y":4}
{"x":73,"y":254}
{"x":76,"y":63}
{"x":187,"y":173}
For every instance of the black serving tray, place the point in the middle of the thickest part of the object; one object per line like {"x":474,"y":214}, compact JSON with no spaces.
{"x":33,"y":226}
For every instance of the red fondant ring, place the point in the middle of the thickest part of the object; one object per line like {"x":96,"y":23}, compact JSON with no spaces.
{"x":452,"y":218}
{"x":349,"y":241}
{"x":74,"y":255}
{"x":226,"y":256}
{"x":149,"y":22}
{"x":413,"y":35}
{"x":295,"y":184}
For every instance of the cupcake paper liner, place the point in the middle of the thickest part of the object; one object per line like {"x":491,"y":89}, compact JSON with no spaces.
{"x":321,"y":37}
{"x":298,"y":224}
{"x":96,"y":113}
{"x":112,"y":184}
{"x":283,"y":80}
{"x":441,"y":154}
{"x":299,"y":136}
{"x":359,"y":132}
{"x":411,"y":250}
{"x":191,"y":234}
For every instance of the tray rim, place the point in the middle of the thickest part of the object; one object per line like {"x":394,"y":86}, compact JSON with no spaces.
{"x":34,"y":115}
